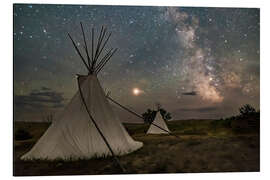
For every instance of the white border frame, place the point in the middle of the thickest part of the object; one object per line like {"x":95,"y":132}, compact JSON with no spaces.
{"x":6,"y":165}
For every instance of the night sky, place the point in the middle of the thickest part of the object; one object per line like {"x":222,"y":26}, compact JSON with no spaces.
{"x":195,"y":62}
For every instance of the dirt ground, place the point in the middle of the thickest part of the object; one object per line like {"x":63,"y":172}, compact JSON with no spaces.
{"x":200,"y":149}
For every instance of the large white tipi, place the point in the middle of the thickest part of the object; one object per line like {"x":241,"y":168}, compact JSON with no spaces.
{"x":158,"y":121}
{"x":87,"y":127}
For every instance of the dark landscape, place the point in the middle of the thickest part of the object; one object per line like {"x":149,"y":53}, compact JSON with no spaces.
{"x":225,"y":145}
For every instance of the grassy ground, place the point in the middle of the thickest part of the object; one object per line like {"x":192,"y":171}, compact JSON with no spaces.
{"x":201,"y":149}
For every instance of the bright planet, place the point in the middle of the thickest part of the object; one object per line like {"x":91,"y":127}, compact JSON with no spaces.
{"x":136,"y":91}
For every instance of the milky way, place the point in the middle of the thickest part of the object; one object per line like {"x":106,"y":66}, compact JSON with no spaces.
{"x":195,"y":62}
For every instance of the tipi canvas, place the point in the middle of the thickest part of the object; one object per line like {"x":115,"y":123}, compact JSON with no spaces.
{"x":74,"y":135}
{"x":159,"y":121}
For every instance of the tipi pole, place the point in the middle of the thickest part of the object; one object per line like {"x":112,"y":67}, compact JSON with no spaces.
{"x":78,"y":51}
{"x":103,"y":59}
{"x":85,"y":44}
{"x":100,"y":132}
{"x":105,"y":62}
{"x":93,"y":43}
{"x":136,"y":114}
{"x":98,"y":45}
{"x":103,"y":45}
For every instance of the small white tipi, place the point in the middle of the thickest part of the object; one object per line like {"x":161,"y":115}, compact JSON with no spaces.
{"x":74,"y":135}
{"x":159,"y":121}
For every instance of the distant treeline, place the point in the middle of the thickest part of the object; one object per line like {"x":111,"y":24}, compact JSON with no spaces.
{"x":248,"y":120}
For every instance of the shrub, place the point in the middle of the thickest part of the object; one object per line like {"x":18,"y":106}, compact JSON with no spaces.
{"x":248,"y":120}
{"x":166,"y":115}
{"x":150,"y":115}
{"x":246,"y":110}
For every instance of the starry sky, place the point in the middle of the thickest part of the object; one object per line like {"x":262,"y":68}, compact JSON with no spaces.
{"x":196,"y":62}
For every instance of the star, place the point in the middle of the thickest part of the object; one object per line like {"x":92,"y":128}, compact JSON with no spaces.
{"x":163,"y":50}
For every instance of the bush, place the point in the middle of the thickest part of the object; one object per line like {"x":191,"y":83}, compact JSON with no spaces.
{"x":246,"y":110}
{"x":166,"y":115}
{"x":22,"y":134}
{"x":248,"y":120}
{"x":149,"y":115}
